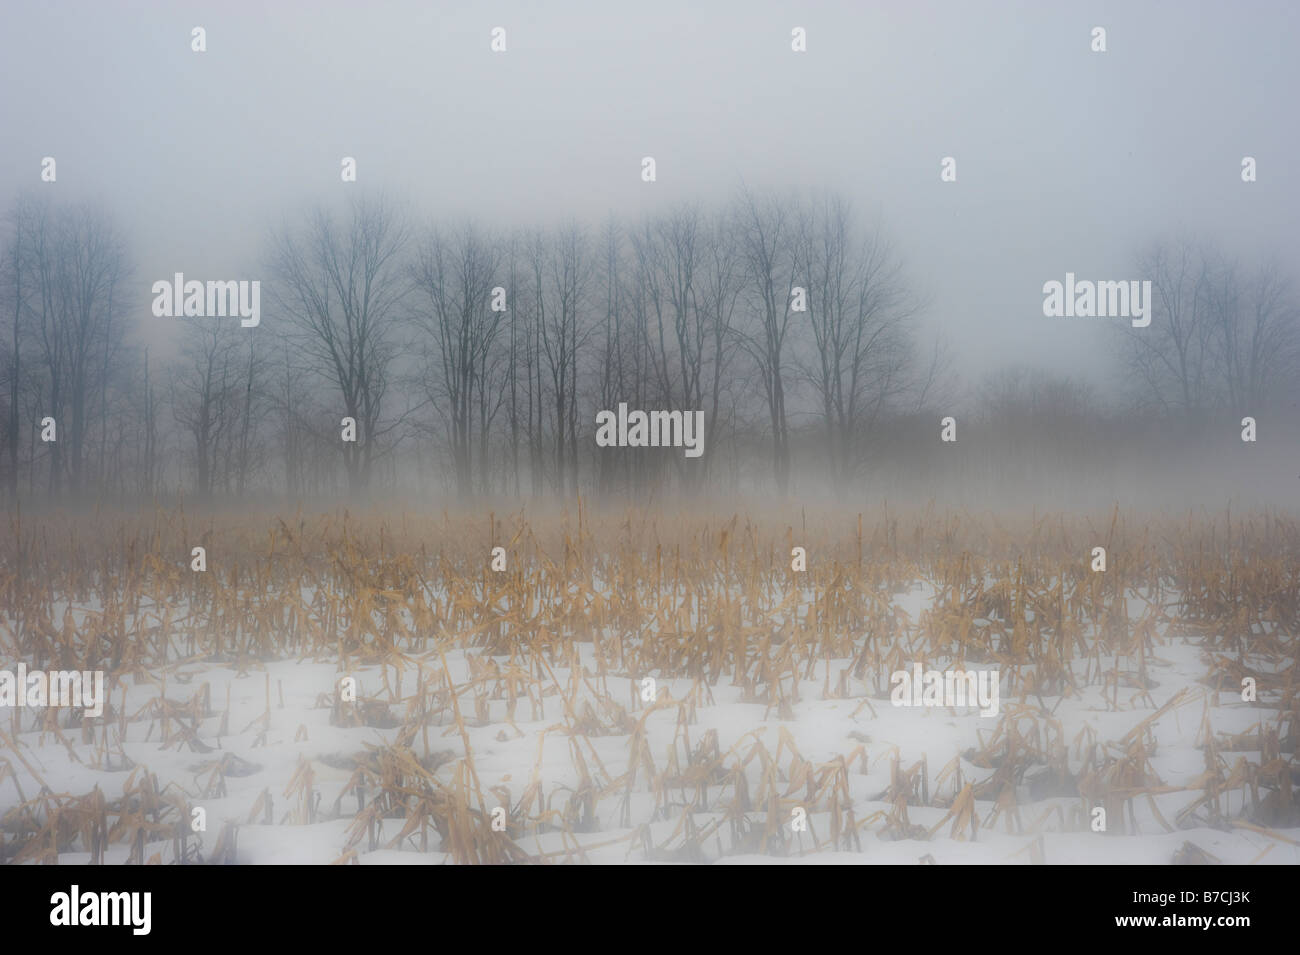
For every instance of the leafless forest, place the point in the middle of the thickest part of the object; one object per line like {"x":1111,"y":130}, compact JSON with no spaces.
{"x":458,"y":389}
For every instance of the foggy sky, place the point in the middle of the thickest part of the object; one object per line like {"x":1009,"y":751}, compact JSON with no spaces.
{"x":1067,"y":160}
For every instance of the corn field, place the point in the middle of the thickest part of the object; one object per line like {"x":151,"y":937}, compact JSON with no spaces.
{"x":364,"y":687}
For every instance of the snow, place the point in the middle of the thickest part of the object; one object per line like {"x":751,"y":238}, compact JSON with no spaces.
{"x":507,"y":753}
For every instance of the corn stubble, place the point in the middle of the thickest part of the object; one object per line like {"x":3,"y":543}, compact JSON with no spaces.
{"x":590,"y":606}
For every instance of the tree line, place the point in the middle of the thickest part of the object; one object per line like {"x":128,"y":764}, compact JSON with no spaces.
{"x":472,"y":360}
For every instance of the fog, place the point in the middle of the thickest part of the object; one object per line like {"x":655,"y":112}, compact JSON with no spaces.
{"x":1067,"y":160}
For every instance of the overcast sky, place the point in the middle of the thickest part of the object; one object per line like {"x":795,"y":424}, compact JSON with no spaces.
{"x":1067,"y":160}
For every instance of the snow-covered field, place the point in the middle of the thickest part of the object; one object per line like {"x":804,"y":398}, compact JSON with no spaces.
{"x":579,"y":750}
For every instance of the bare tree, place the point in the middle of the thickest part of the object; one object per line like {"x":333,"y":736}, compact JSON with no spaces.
{"x":766,"y":229}
{"x":339,"y":288}
{"x":1256,"y":331}
{"x":720,"y":289}
{"x":296,"y":429}
{"x":454,"y":275}
{"x":245,"y":451}
{"x":1222,"y":336}
{"x":562,"y":273}
{"x":69,"y":267}
{"x":1168,"y":361}
{"x":687,"y":283}
{"x":520,"y":359}
{"x":15,"y":265}
{"x":149,"y":400}
{"x":204,"y":393}
{"x":624,"y":364}
{"x":858,"y":311}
